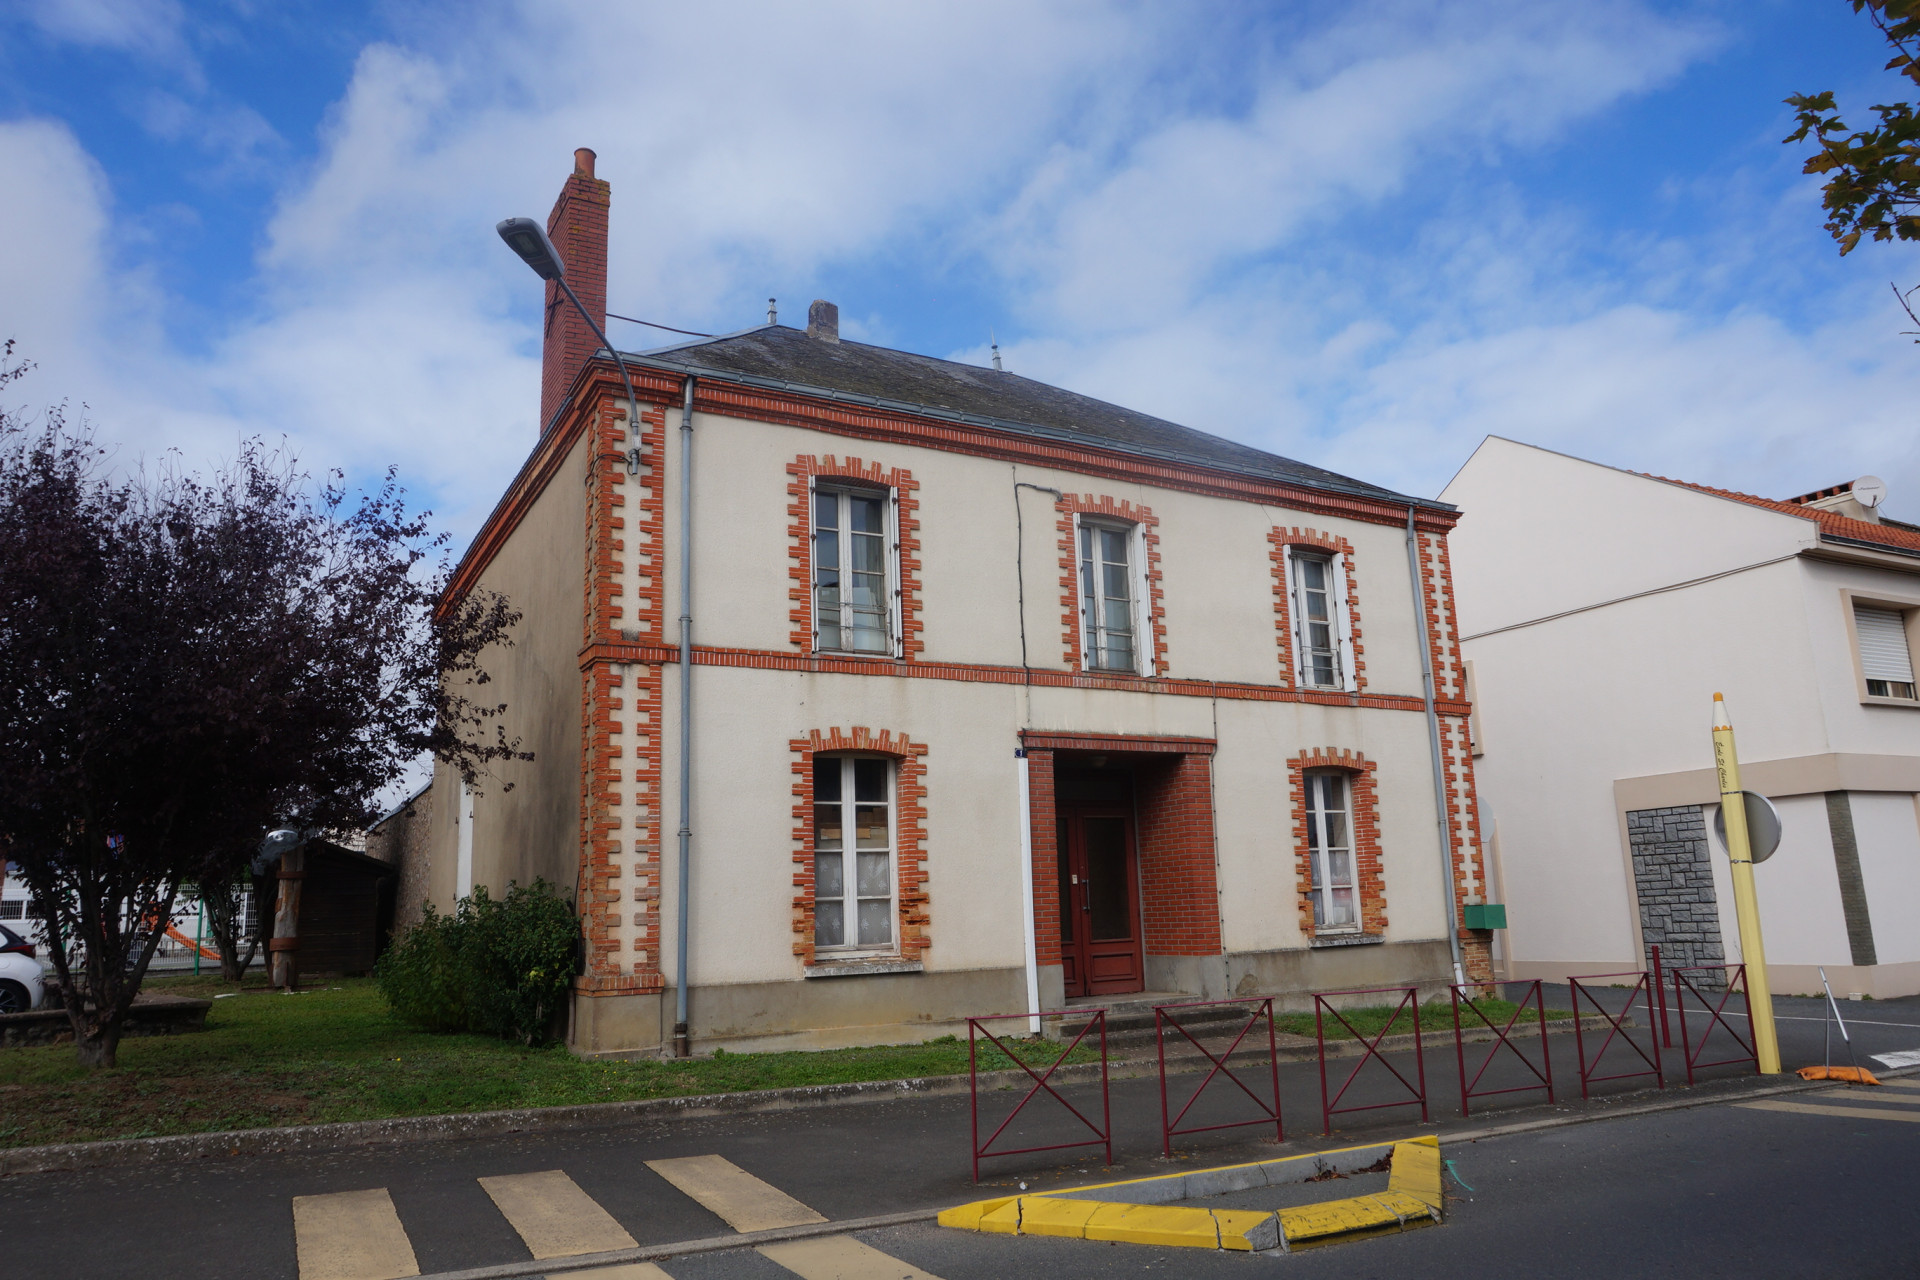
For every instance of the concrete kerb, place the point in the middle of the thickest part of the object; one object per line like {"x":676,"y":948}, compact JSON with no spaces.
{"x":1147,"y":1210}
{"x":315,"y":1138}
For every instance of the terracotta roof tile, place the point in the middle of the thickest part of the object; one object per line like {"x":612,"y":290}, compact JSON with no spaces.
{"x":1830,"y":522}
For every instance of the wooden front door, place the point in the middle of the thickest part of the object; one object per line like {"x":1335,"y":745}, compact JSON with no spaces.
{"x":1099,"y":903}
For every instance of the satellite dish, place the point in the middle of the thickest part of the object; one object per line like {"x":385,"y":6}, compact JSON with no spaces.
{"x":1763,"y":826}
{"x":1869,"y":491}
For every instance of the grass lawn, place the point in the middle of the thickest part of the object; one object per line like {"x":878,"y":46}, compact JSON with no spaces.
{"x":1435,"y":1015}
{"x":334,"y":1053}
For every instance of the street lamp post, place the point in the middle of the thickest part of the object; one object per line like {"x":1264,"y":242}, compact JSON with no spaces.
{"x":529,"y":240}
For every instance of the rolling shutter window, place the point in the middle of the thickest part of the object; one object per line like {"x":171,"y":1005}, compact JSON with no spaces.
{"x":1883,"y":645}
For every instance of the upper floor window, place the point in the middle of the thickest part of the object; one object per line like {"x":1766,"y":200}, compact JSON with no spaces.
{"x":852,"y":570}
{"x":1319,"y":620}
{"x":1109,"y":618}
{"x":852,"y":852}
{"x":1330,"y":850}
{"x":1885,"y":661}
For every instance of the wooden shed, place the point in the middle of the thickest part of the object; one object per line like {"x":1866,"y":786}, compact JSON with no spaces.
{"x":346,"y":911}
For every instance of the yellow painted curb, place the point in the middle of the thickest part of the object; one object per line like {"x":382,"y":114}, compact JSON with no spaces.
{"x":1413,"y":1198}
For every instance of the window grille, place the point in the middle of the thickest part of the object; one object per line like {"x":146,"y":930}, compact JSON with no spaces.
{"x":851,"y":588}
{"x":1107,"y":596}
{"x":853,"y":880}
{"x":1330,"y":851}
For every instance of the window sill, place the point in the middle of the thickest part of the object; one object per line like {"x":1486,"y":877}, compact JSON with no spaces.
{"x":1869,"y":700}
{"x":862,"y":968}
{"x":1345,"y":940}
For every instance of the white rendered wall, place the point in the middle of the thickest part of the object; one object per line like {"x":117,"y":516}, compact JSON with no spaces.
{"x":1888,"y":836}
{"x":1801,"y":918}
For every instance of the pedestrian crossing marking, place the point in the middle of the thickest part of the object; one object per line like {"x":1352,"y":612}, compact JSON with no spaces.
{"x":1901,"y":1084}
{"x":1898,"y":1100}
{"x":554,"y":1216}
{"x":630,"y":1271}
{"x":351,"y":1235}
{"x":1813,"y":1109}
{"x":840,"y":1258}
{"x":741,"y":1200}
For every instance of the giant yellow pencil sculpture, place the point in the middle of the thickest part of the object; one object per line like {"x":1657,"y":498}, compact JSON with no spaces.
{"x":1753,"y":951}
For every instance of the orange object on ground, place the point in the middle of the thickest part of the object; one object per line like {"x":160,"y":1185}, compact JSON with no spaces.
{"x":1850,"y":1075}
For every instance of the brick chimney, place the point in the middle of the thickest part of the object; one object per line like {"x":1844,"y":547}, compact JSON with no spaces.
{"x":578,"y":228}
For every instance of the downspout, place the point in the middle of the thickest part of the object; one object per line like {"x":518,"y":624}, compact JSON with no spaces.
{"x":682,"y":1044}
{"x":1026,"y":895}
{"x":1439,"y":766}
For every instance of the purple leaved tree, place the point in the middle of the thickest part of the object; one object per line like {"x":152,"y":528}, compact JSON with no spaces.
{"x":186,"y":662}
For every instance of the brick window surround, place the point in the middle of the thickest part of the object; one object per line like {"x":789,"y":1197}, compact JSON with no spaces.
{"x":1280,"y":539}
{"x":899,"y":482}
{"x":910,"y":832}
{"x":1369,"y":880}
{"x":1155,"y":622}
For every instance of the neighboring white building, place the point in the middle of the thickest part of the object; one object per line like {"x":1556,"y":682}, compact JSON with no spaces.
{"x":1600,"y":610}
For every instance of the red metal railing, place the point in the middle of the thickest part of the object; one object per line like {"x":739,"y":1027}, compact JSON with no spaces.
{"x":1259,"y":1008}
{"x":1103,"y":1131}
{"x":1370,"y":1051}
{"x":1682,"y":985}
{"x":1502,"y":1039}
{"x":1617,"y":1028}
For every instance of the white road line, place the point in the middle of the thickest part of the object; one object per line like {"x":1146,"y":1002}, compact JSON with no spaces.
{"x":840,"y":1258}
{"x":742,"y":1200}
{"x":748,"y":1204}
{"x":1885,"y":1099}
{"x":1852,"y":1113}
{"x":351,"y":1235}
{"x":1852,"y":1022}
{"x":554,"y":1216}
{"x":1909,"y":1058}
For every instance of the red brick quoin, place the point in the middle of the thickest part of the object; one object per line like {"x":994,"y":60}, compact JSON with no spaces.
{"x":910,"y":831}
{"x":1280,"y":539}
{"x":1073,"y":504}
{"x":606,"y":713}
{"x":900,"y":482}
{"x":1368,"y":877}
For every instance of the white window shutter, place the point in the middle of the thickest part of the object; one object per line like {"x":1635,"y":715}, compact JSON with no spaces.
{"x":1883,"y":644}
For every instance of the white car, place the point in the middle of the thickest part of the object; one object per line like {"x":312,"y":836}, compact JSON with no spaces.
{"x":20,"y":988}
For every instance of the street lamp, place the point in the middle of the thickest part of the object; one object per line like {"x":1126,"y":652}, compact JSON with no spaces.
{"x":527,"y":238}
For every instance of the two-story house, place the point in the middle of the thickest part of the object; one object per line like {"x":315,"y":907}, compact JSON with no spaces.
{"x":1000,"y":696}
{"x":1601,"y":610}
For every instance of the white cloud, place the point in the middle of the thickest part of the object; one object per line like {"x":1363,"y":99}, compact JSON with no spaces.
{"x":151,"y":29}
{"x":1169,"y":201}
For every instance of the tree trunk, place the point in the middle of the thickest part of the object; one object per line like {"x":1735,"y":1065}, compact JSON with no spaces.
{"x":229,"y":929}
{"x":285,"y":943}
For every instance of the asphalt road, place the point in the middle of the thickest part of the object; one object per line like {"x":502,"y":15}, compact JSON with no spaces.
{"x":1631,"y":1196}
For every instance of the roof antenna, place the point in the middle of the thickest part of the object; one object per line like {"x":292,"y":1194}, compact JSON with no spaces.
{"x":996,"y":348}
{"x":773,"y":313}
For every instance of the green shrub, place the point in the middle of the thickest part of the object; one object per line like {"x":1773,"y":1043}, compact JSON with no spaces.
{"x":500,"y":967}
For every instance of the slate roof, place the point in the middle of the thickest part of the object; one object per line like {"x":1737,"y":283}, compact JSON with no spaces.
{"x":780,"y":357}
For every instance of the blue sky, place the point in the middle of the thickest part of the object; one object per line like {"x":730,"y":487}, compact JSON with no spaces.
{"x":1363,"y":235}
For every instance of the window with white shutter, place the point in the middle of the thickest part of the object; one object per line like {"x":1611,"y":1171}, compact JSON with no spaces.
{"x":1885,"y":660}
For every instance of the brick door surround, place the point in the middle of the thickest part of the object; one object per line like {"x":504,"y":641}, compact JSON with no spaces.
{"x":1173,"y":797}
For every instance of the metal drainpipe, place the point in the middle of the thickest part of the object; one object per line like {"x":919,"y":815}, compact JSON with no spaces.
{"x":1433,"y":744}
{"x":682,"y":1044}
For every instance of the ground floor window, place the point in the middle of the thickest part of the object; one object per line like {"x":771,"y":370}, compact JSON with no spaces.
{"x":1330,"y":850}
{"x":853,"y":842}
